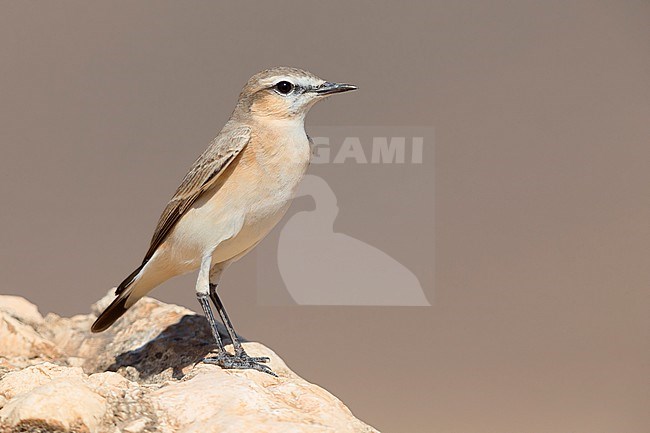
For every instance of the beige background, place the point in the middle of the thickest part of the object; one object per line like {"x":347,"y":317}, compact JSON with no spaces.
{"x":540,"y":315}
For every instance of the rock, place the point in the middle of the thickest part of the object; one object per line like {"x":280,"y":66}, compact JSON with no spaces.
{"x":143,"y":375}
{"x":212,"y":399}
{"x":19,"y":339}
{"x":63,"y":403}
{"x":21,"y":309}
{"x":23,"y":381}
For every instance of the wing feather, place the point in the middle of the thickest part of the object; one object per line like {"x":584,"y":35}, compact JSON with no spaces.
{"x":204,"y":172}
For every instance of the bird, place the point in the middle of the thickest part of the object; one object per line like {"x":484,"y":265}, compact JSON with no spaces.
{"x":233,"y":195}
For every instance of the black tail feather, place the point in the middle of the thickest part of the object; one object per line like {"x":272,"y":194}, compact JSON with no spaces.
{"x":118,"y":306}
{"x":110,"y":314}
{"x":128,"y":280}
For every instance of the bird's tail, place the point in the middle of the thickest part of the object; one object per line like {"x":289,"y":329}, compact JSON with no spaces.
{"x":119,"y":305}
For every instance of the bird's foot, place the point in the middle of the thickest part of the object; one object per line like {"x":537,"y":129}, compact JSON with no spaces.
{"x":240,"y":361}
{"x":241,"y":353}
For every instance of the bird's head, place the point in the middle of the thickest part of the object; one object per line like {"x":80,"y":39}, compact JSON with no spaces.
{"x":285,"y":93}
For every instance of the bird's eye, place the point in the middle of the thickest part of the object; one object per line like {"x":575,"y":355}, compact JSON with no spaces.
{"x":284,"y":87}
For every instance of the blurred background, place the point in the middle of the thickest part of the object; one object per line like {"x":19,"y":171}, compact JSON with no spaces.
{"x":539,"y":320}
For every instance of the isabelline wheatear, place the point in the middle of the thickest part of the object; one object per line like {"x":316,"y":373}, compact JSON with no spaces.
{"x":231,"y":198}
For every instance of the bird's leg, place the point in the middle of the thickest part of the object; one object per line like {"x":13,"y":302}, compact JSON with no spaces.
{"x":205,"y":304}
{"x":202,"y":291}
{"x":240,"y":359}
{"x":239,"y":349}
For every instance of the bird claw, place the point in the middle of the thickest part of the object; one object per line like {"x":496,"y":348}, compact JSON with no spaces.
{"x":254,"y":358}
{"x":241,"y":361}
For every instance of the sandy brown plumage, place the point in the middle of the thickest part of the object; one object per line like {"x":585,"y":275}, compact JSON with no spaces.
{"x":203,"y":174}
{"x":231,"y":198}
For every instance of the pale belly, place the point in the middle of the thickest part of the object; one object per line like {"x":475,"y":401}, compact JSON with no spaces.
{"x":233,"y":217}
{"x":257,"y":224}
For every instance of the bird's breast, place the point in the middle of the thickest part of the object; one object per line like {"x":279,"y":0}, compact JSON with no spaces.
{"x":280,"y":162}
{"x":261,"y":187}
{"x":246,"y":202}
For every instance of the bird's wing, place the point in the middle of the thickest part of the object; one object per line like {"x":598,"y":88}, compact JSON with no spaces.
{"x":204,"y":172}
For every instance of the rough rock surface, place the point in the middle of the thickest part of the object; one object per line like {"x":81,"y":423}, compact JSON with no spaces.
{"x":143,"y":375}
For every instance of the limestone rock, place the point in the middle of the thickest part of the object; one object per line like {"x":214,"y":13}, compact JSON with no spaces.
{"x":63,"y":403}
{"x":19,"y":335}
{"x":143,"y":375}
{"x":21,"y":309}
{"x":23,"y":381}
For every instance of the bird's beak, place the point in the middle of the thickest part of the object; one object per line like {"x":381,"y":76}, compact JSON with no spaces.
{"x":328,"y":88}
